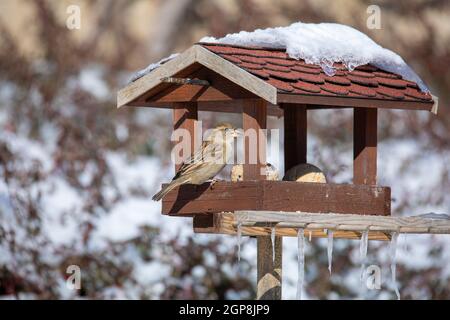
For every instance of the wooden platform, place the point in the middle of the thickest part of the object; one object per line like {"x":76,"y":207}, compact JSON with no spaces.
{"x":261,"y":223}
{"x":189,"y":200}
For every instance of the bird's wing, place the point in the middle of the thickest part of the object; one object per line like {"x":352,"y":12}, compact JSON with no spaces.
{"x":197,"y":160}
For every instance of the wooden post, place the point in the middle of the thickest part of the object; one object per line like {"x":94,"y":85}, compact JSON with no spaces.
{"x":185,"y":115}
{"x":365,"y":146}
{"x":295,"y":135}
{"x":269,"y":269}
{"x":254,"y":117}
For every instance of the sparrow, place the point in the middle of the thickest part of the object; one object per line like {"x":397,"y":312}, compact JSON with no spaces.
{"x":207,"y":162}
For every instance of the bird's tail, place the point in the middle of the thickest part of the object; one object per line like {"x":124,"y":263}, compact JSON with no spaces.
{"x":165,"y":190}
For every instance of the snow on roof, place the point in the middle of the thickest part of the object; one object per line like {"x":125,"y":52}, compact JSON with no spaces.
{"x":324,"y":44}
{"x":151,"y":67}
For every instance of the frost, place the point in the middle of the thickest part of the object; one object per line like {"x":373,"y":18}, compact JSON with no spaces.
{"x":152,"y":67}
{"x":393,"y":257}
{"x":324,"y":44}
{"x":301,"y":262}
{"x":330,"y":250}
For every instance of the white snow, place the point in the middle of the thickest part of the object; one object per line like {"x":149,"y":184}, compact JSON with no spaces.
{"x":152,"y":67}
{"x":324,"y":44}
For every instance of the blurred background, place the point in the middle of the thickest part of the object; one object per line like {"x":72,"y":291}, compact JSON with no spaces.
{"x":77,"y":175}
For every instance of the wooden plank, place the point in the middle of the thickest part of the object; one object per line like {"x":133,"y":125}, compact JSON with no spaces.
{"x":278,"y":196}
{"x":285,"y":98}
{"x":295,"y":135}
{"x":348,"y":222}
{"x":185,"y":116}
{"x":365,"y":146}
{"x":254,"y":117}
{"x":237,"y":75}
{"x":231,"y":106}
{"x":226,"y":223}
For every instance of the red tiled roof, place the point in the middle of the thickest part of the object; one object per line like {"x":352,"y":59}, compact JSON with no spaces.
{"x":297,"y":77}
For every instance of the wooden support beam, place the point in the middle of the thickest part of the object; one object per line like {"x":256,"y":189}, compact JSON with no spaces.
{"x":295,"y":135}
{"x":269,"y":268}
{"x":180,"y":81}
{"x":254,"y":119}
{"x":365,"y":146}
{"x":185,"y":116}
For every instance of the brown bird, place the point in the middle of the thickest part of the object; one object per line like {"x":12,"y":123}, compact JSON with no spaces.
{"x":207,"y":162}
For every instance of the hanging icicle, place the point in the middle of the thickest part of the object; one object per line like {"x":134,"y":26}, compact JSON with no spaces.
{"x":363,"y":255}
{"x":310,"y":235}
{"x":393,"y":257}
{"x":272,"y":238}
{"x":301,"y":262}
{"x":239,"y":236}
{"x":330,"y":249}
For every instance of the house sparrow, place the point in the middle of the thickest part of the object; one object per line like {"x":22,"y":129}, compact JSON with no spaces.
{"x":237,"y":173}
{"x":207,"y":162}
{"x":305,"y":172}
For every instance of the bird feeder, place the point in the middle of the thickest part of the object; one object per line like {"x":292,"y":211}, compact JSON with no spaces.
{"x":258,"y":83}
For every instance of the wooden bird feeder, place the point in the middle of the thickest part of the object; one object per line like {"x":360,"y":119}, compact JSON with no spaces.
{"x":261,"y":82}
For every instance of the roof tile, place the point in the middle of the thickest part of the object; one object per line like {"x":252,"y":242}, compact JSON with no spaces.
{"x":305,"y":86}
{"x":336,"y":89}
{"x":305,"y":69}
{"x":281,"y":85}
{"x":311,"y":78}
{"x":362,"y":91}
{"x":248,"y":65}
{"x":277,"y":68}
{"x":394,"y":83}
{"x":363,"y":81}
{"x":338,"y":80}
{"x":293,"y":75}
{"x":390,"y":92}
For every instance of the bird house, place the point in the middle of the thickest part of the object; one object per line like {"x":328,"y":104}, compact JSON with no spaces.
{"x":258,"y":83}
{"x":261,"y":82}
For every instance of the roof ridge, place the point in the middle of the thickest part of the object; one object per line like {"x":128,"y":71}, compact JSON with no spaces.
{"x":240,"y":46}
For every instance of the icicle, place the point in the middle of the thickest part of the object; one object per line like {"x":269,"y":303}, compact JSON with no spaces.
{"x":310,"y":235}
{"x":330,"y":249}
{"x":363,"y":252}
{"x":301,"y":262}
{"x":239,"y":236}
{"x":272,"y":237}
{"x":393,"y":256}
